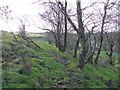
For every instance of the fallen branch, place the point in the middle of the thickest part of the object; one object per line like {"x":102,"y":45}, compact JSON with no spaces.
{"x":29,"y":39}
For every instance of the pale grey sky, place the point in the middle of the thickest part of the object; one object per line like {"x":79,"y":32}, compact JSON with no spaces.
{"x":26,"y":8}
{"x":19,"y":8}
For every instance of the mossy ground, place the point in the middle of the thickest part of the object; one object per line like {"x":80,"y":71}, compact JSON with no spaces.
{"x":26,"y":66}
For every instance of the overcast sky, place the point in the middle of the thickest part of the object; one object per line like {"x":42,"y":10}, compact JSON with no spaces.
{"x":19,"y":8}
{"x":27,"y":8}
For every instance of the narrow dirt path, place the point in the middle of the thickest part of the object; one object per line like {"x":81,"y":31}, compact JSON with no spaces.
{"x":72,"y":79}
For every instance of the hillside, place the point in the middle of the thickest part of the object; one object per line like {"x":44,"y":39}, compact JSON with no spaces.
{"x":26,"y":66}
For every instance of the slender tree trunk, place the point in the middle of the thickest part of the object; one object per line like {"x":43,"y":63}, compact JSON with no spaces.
{"x":76,"y":48}
{"x":82,"y":56}
{"x":59,"y":41}
{"x":56,"y":42}
{"x":65,"y":37}
{"x":101,"y":37}
{"x":110,"y":55}
{"x":98,"y":53}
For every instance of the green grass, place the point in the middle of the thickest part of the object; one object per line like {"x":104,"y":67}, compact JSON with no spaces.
{"x":45,"y":72}
{"x":36,"y":34}
{"x":103,"y":58}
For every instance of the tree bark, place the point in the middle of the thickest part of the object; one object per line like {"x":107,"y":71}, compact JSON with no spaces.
{"x":82,"y":56}
{"x":76,"y":47}
{"x":65,"y":35}
{"x":110,"y":55}
{"x":59,"y":28}
{"x":101,"y":36}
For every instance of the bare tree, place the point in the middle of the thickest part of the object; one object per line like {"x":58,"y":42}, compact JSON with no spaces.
{"x":57,"y":21}
{"x":22,"y":27}
{"x":5,"y":16}
{"x":111,"y":32}
{"x":102,"y":31}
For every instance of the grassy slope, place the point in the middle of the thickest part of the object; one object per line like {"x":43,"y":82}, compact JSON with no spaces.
{"x":45,"y":67}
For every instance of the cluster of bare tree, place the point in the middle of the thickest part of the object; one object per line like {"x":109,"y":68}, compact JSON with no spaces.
{"x":102,"y":20}
{"x":95,"y":26}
